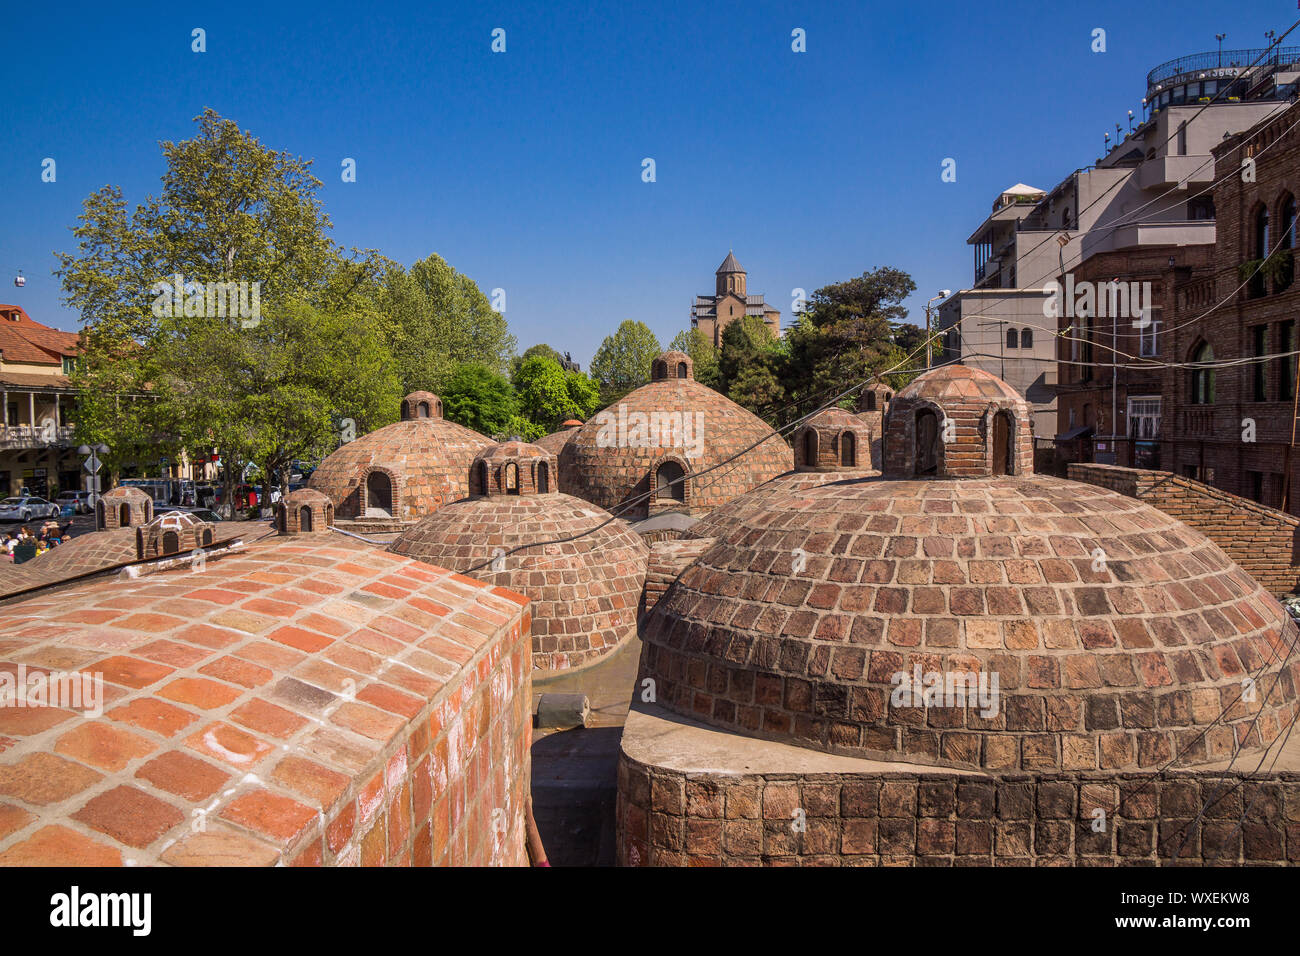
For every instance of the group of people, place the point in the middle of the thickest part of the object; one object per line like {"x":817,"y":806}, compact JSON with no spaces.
{"x":19,"y":547}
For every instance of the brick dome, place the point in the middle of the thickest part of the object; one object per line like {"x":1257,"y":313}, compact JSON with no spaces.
{"x":305,"y":511}
{"x":513,"y":468}
{"x":672,"y":364}
{"x":402,"y":471}
{"x":173,"y":532}
{"x":958,"y":422}
{"x":831,"y":440}
{"x":584,"y":592}
{"x":556,"y":440}
{"x":1118,"y":634}
{"x":421,"y":405}
{"x":661,"y":432}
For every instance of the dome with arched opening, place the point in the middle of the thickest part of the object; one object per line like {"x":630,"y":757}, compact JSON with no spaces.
{"x":642,"y":453}
{"x":173,"y":533}
{"x":305,"y":511}
{"x":123,"y":507}
{"x":401,"y":472}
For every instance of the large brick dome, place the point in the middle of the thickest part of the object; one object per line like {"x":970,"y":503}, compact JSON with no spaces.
{"x":584,"y":591}
{"x":402,"y":471}
{"x":664,"y":430}
{"x":1119,"y":635}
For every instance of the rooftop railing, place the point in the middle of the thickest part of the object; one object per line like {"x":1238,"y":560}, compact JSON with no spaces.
{"x":1216,"y":60}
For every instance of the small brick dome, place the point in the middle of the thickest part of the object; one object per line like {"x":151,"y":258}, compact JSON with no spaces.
{"x":958,"y":422}
{"x":584,"y":591}
{"x":304,"y":511}
{"x":173,"y":532}
{"x":1119,"y":636}
{"x":421,"y":405}
{"x":123,"y":507}
{"x":402,"y":471}
{"x":659,"y":433}
{"x":672,"y":364}
{"x":832,"y":440}
{"x":557,"y":440}
{"x":513,"y":468}
{"x":875,"y":398}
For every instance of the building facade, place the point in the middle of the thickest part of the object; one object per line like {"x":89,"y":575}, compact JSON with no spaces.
{"x":731,"y":300}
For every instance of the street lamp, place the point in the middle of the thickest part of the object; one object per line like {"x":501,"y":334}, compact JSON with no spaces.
{"x":929,"y":349}
{"x":1220,"y":37}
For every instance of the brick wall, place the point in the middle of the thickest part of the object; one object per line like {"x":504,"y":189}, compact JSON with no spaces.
{"x":670,"y":818}
{"x":1264,"y":542}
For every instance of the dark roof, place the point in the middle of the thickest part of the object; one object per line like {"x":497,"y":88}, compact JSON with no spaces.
{"x":729,"y":264}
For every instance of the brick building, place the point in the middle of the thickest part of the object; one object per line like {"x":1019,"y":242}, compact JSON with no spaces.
{"x":1231,"y":427}
{"x":731,"y":300}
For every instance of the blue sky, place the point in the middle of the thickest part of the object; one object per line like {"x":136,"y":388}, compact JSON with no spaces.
{"x":523,"y":169}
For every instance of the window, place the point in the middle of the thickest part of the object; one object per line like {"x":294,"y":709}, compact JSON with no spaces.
{"x":1202,"y":207}
{"x":1144,"y":418}
{"x":171,"y":542}
{"x":1259,"y":341}
{"x":926,"y":461}
{"x":1013,"y":339}
{"x":512,"y":478}
{"x":1287,"y":224}
{"x":1256,"y":479}
{"x":69,"y":365}
{"x":810,"y":447}
{"x":1202,"y":379}
{"x":1026,"y":338}
{"x":681,"y":369}
{"x":1086,"y":351}
{"x":848,"y":450}
{"x":669,"y":483}
{"x":543,"y":478}
{"x":1261,"y":233}
{"x":1147,"y":345}
{"x":1286,"y":364}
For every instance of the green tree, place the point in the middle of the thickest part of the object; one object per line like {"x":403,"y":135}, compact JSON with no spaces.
{"x":230,"y":210}
{"x":702,"y":352}
{"x":540,"y":349}
{"x":439,"y":319}
{"x":622,"y":362}
{"x":480,"y":398}
{"x":750,"y":365}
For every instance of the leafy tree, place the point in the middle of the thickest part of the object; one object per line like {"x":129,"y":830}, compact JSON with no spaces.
{"x":543,"y":392}
{"x":583,"y":393}
{"x":750,"y":365}
{"x":480,"y":398}
{"x":539,"y":349}
{"x":908,"y":337}
{"x":702,"y":351}
{"x":622,"y":362}
{"x":230,"y":210}
{"x":440,"y":319}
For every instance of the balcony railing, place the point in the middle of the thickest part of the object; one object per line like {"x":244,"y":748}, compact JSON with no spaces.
{"x":1219,"y":60}
{"x":34,"y":436}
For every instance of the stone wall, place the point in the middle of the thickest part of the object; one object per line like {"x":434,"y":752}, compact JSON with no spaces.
{"x":1265,"y":542}
{"x":671,"y":818}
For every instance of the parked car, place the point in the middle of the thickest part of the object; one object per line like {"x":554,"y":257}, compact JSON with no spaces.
{"x":80,"y":501}
{"x":27,"y":508}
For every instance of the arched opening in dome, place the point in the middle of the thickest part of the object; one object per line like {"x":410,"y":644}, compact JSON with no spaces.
{"x":379,"y":495}
{"x":99,"y":515}
{"x":422,"y":410}
{"x":207,"y":537}
{"x":1002,"y":444}
{"x":512,"y":478}
{"x":810,"y":447}
{"x":171,"y":542}
{"x":669,"y":481}
{"x":148,"y":511}
{"x":124,"y":516}
{"x":543,"y":478}
{"x":661,"y":370}
{"x":329,"y":515}
{"x":681,"y":369}
{"x":871,"y":401}
{"x":481,"y":477}
{"x":848,"y":450}
{"x":304,"y":519}
{"x":926,"y":460}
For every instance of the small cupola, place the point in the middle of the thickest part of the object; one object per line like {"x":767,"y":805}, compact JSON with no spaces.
{"x":421,"y":405}
{"x":671,"y":365}
{"x":172,"y":533}
{"x":305,"y":511}
{"x":513,"y":468}
{"x":832,"y":440}
{"x":123,"y":507}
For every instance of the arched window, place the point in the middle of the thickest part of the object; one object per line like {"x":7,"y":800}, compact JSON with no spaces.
{"x":1262,"y":245}
{"x":124,"y":516}
{"x":1013,"y":339}
{"x":669,"y":483}
{"x":871,"y":401}
{"x":1002,"y":444}
{"x":1202,"y":386}
{"x":482,"y":478}
{"x":848,"y":450}
{"x":681,"y":369}
{"x":99,"y":514}
{"x":512,"y":478}
{"x":171,"y":542}
{"x":927,"y":442}
{"x":1286,"y":224}
{"x":379,"y":494}
{"x":1026,"y":338}
{"x":543,"y":478}
{"x":810,"y":447}
{"x":423,"y":410}
{"x":304,"y":519}
{"x":207,"y":537}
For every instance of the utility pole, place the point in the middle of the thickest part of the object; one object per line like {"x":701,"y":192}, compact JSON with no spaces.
{"x":929,"y":347}
{"x":1290,"y":449}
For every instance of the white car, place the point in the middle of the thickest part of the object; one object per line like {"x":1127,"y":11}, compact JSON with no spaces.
{"x":27,"y":508}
